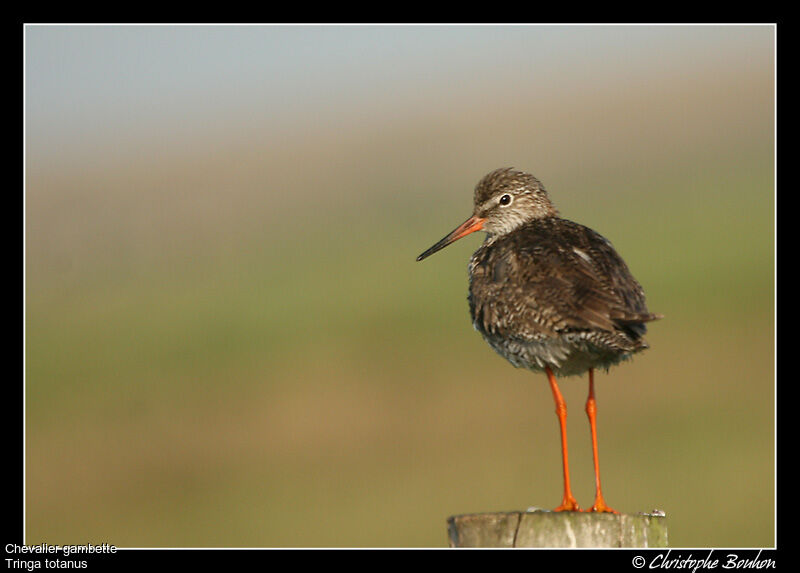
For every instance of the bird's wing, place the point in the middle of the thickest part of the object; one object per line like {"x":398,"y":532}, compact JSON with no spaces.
{"x":569,"y":277}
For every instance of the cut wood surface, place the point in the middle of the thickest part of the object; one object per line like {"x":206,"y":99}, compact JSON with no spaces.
{"x":557,"y":529}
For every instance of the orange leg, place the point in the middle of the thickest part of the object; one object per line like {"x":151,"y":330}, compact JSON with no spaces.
{"x":591,"y":411}
{"x":568,"y":503}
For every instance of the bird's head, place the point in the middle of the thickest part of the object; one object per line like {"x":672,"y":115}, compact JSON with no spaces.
{"x":504,"y":200}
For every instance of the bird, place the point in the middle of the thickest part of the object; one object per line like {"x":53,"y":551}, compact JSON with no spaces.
{"x":549,"y":295}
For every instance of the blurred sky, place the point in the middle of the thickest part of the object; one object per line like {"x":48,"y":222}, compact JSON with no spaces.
{"x":89,"y":85}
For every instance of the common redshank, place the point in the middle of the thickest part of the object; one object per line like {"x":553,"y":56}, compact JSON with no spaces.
{"x":549,"y":295}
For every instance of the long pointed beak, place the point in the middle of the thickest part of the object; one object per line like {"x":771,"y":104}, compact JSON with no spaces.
{"x":471,"y":225}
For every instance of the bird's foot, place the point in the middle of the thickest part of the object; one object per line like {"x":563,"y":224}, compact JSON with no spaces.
{"x":568,"y":504}
{"x":601,"y":507}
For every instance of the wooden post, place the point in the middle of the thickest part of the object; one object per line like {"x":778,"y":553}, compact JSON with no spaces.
{"x":541,"y":528}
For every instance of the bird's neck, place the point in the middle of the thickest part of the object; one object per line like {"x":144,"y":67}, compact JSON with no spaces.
{"x":495,"y":233}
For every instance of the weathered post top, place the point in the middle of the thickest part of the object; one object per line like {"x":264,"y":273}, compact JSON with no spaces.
{"x":542,"y":528}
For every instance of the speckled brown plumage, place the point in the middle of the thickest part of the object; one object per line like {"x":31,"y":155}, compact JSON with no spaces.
{"x":555,"y":293}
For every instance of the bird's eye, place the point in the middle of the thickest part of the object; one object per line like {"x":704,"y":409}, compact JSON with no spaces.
{"x":505,"y":199}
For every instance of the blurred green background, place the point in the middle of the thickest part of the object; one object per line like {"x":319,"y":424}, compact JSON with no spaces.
{"x":229,"y":343}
